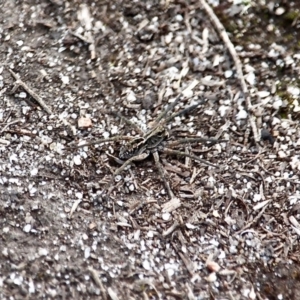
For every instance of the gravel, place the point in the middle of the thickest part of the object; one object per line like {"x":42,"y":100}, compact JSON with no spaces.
{"x":232,"y":232}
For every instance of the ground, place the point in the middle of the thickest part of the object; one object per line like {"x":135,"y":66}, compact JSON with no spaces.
{"x":234,"y":233}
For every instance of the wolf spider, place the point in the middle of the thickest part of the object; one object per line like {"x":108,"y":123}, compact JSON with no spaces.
{"x":153,"y":141}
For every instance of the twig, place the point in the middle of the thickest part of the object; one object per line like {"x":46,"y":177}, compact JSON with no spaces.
{"x":237,"y":62}
{"x":186,"y":260}
{"x":33,"y":94}
{"x":175,"y":152}
{"x":87,"y":39}
{"x":252,"y":222}
{"x":74,"y":207}
{"x":94,"y":274}
{"x":10,"y":123}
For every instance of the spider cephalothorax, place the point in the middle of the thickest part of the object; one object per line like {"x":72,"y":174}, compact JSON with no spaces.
{"x":151,"y":140}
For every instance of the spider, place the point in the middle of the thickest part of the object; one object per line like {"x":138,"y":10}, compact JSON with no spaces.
{"x":153,"y":141}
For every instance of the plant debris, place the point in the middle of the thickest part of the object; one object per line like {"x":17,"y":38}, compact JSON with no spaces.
{"x":230,"y":232}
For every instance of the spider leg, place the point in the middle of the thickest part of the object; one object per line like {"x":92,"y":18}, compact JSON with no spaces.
{"x":174,"y":103}
{"x":161,"y":174}
{"x":110,"y":186}
{"x":156,"y":127}
{"x":175,"y":152}
{"x":116,"y":159}
{"x":138,"y":157}
{"x":183,"y":111}
{"x":99,"y":141}
{"x":212,"y":141}
{"x":168,"y":108}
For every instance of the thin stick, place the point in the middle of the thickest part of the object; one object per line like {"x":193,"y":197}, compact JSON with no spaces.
{"x":95,"y":276}
{"x":237,"y":62}
{"x":175,"y":152}
{"x":10,"y":123}
{"x":211,"y":141}
{"x":89,"y":40}
{"x":33,"y":94}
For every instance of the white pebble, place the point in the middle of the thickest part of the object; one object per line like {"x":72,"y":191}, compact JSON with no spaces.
{"x":168,"y":38}
{"x":77,"y":160}
{"x":114,"y":130}
{"x":34,"y":171}
{"x":25,"y":110}
{"x":79,"y":195}
{"x":242,"y":114}
{"x":263,"y":94}
{"x":250,"y":78}
{"x":190,"y":226}
{"x":212,"y":277}
{"x":166,"y":216}
{"x":279,"y":11}
{"x":213,"y":266}
{"x":42,"y":252}
{"x":65,"y":79}
{"x":131,"y":96}
{"x":228,"y":73}
{"x":170,"y":268}
{"x":87,"y":252}
{"x":23,"y":95}
{"x":118,"y":178}
{"x":63,"y":248}
{"x":146,"y":265}
{"x":13,"y":158}
{"x":105,"y":134}
{"x":32,"y":191}
{"x":46,"y":139}
{"x":256,"y":197}
{"x":17,"y":280}
{"x":31,"y":288}
{"x":179,"y":18}
{"x":27,"y":228}
{"x":277,"y":103}
{"x":222,"y":110}
{"x":295,"y":91}
{"x":150,"y":234}
{"x":281,"y":154}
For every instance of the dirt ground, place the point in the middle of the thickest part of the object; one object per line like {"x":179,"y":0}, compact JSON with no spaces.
{"x":69,"y":71}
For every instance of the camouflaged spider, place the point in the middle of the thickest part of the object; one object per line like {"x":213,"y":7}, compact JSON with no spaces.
{"x":153,"y":141}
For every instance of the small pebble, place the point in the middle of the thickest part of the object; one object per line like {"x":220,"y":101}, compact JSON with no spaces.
{"x":266,"y":136}
{"x":146,"y":265}
{"x":77,"y":160}
{"x":27,"y":228}
{"x":228,"y":74}
{"x":213,"y":266}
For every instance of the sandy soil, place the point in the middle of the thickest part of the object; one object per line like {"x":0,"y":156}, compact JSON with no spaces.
{"x":70,"y":72}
